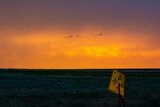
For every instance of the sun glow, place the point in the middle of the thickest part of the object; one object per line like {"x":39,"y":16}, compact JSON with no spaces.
{"x":93,"y":51}
{"x":61,"y":50}
{"x":101,"y":51}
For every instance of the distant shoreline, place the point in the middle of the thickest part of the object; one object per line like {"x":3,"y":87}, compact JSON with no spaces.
{"x":83,"y":72}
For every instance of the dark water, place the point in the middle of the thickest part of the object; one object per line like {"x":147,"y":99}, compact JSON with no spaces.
{"x":142,"y":89}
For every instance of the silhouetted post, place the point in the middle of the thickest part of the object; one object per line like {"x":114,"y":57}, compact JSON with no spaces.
{"x":123,"y":102}
{"x":119,"y":94}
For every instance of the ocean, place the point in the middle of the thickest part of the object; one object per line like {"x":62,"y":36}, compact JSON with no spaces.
{"x":77,"y":88}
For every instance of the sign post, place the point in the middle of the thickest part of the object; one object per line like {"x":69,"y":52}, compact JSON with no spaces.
{"x":117,"y":85}
{"x":119,"y":96}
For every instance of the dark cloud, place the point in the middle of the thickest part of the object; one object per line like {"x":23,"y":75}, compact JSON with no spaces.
{"x":99,"y":34}
{"x":72,"y":36}
{"x":102,"y":34}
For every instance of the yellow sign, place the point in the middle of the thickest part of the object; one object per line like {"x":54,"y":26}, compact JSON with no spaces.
{"x":117,"y":82}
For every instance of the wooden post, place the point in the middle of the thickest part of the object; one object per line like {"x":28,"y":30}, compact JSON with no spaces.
{"x":123,"y":102}
{"x":119,"y":94}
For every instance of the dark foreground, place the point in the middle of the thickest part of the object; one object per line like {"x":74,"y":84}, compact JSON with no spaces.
{"x":76,"y":88}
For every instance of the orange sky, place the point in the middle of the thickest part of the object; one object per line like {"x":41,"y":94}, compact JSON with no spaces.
{"x":87,"y":49}
{"x":73,"y":35}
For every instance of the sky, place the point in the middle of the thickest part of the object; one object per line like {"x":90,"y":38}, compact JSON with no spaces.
{"x":71,"y":34}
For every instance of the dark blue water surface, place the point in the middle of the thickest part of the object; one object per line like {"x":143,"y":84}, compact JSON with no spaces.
{"x":77,"y":90}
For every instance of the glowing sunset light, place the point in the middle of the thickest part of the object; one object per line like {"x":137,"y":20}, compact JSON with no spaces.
{"x":79,"y":34}
{"x":101,"y":51}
